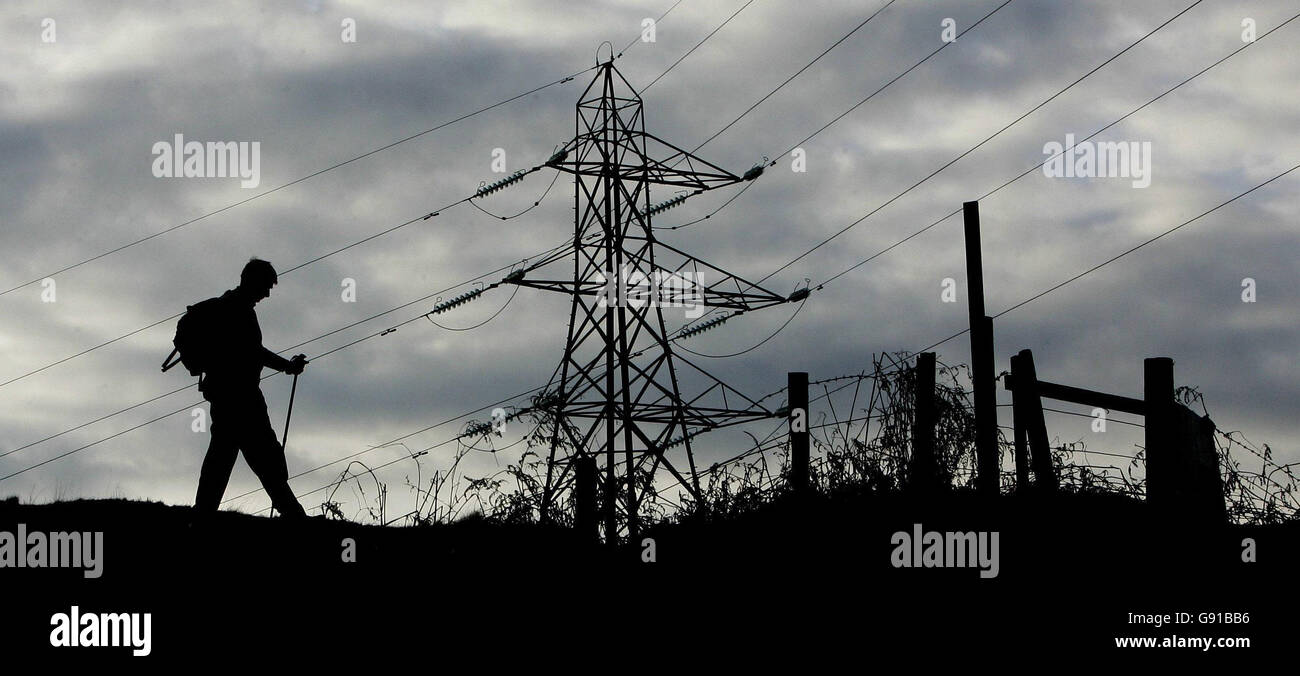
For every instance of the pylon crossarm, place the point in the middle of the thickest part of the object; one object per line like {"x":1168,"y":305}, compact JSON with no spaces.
{"x":578,"y":157}
{"x":721,"y":288}
{"x":724,"y":389}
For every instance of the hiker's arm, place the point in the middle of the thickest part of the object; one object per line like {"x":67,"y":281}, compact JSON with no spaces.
{"x":273,"y":360}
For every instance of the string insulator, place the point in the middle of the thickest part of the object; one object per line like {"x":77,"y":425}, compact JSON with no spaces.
{"x":798,"y":295}
{"x":666,"y":204}
{"x":558,"y":157}
{"x":701,"y":328}
{"x":493,"y":187}
{"x":458,"y":300}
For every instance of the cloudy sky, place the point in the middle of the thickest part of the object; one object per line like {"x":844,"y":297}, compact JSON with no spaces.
{"x":84,"y":99}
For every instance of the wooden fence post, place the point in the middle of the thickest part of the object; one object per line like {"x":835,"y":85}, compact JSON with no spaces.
{"x":1158,"y":396}
{"x":1199,"y":487}
{"x":1183,"y":476}
{"x":987,"y":454}
{"x":1020,"y":421}
{"x":1035,"y":425}
{"x":797,"y":384}
{"x":923,"y":472}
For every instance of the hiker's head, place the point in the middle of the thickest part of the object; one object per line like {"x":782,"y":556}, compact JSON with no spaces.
{"x":257,"y":279}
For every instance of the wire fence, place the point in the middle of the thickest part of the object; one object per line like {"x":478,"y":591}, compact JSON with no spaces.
{"x":860,"y":434}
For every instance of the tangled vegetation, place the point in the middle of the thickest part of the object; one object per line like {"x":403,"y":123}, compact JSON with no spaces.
{"x":863,"y":449}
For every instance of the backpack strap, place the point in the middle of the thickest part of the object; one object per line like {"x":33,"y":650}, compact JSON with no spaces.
{"x":169,"y":362}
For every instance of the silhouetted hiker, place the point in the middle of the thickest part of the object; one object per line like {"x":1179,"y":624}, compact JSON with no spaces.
{"x":239,"y":421}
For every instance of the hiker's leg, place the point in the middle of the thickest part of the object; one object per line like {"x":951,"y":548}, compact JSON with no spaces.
{"x":265,"y":456}
{"x":223,"y":449}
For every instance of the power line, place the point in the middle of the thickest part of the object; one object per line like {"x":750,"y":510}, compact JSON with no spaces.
{"x":294,"y":182}
{"x":1120,"y":255}
{"x":485,"y":321}
{"x":1045,"y":161}
{"x":436,"y":211}
{"x":90,"y":349}
{"x":543,"y":254}
{"x":385,"y":332}
{"x":800,"y":72}
{"x":1145,"y":242}
{"x":637,"y":39}
{"x":167,"y":415}
{"x":537,"y":202}
{"x":748,"y":185}
{"x":301,"y":179}
{"x":299,"y":266}
{"x":836,"y":119}
{"x":399,"y":226}
{"x":332,"y":167}
{"x":1117,"y":257}
{"x":760,"y":343}
{"x":1068,"y":281}
{"x":101,"y":419}
{"x":896,"y":78}
{"x":765,"y":97}
{"x":981,"y":143}
{"x":697,"y":46}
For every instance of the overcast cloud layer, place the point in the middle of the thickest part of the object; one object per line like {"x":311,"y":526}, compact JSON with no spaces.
{"x":79,"y":116}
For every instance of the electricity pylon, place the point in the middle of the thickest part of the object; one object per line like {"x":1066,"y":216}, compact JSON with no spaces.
{"x":618,"y":399}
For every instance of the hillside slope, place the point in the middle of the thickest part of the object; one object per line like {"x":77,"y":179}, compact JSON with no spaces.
{"x":1069,"y":570}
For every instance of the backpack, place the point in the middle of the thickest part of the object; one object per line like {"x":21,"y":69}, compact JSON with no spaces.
{"x":195,"y":334}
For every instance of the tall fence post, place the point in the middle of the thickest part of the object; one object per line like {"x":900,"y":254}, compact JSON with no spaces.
{"x":1020,"y":422}
{"x":1158,"y":395}
{"x":923,"y":470}
{"x":1035,"y":425}
{"x":585,"y":519}
{"x":797,"y":384}
{"x":987,"y":452}
{"x":981,"y":347}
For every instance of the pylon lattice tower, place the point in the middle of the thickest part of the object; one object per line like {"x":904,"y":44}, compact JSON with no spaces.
{"x":618,"y":400}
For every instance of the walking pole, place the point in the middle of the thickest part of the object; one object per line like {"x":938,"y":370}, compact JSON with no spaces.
{"x":287,"y":417}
